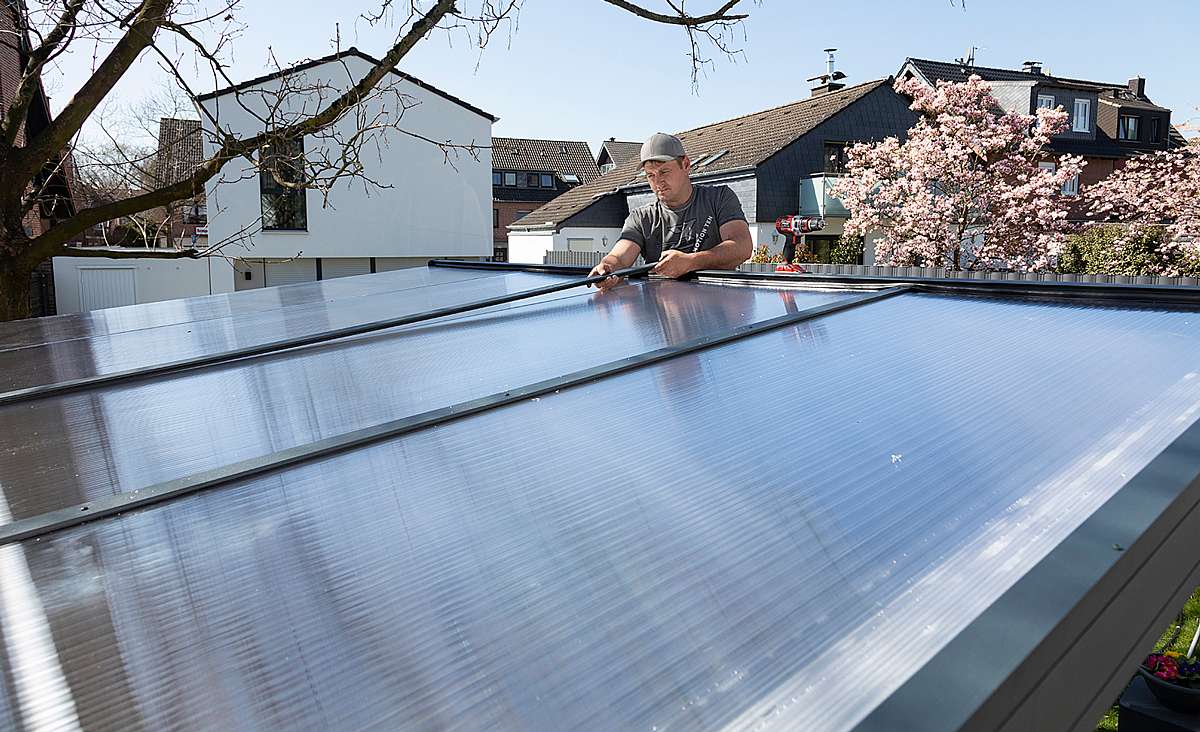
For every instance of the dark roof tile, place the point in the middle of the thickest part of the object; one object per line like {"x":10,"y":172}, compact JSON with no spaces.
{"x":742,"y":142}
{"x":564,"y":157}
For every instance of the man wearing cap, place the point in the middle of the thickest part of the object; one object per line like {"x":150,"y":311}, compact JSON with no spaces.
{"x":688,"y":227}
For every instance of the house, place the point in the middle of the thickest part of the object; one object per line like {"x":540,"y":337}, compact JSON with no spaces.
{"x":1108,"y":122}
{"x":527,"y":173}
{"x":778,"y":161}
{"x":613,"y":152}
{"x":180,"y":152}
{"x":430,"y":201}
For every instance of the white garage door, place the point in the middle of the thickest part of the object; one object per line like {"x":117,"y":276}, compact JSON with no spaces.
{"x":289,"y":273}
{"x":106,"y":287}
{"x":344,"y":267}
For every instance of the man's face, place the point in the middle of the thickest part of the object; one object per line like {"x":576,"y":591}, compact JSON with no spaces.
{"x":668,"y":179}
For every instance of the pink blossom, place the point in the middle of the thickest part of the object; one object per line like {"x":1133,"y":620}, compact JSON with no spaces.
{"x":964,"y":190}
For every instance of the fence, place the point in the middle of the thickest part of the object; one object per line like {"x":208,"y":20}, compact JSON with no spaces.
{"x":590,"y":259}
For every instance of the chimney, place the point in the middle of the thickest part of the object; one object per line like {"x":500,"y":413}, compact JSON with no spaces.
{"x":1137,"y":86}
{"x":1032,"y":67}
{"x":829,"y":81}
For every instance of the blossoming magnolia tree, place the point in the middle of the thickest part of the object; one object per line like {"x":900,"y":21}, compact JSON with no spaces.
{"x":964,"y":191}
{"x":1156,"y":192}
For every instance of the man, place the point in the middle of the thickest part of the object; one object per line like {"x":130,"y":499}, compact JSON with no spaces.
{"x":687,"y":228}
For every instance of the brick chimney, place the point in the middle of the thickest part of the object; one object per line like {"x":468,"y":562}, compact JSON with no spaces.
{"x":1137,"y":86}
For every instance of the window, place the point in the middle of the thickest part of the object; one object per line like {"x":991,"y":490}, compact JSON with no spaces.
{"x":607,"y":167}
{"x":1045,"y":101}
{"x":835,"y":158}
{"x":572,"y":178}
{"x":280,"y":185}
{"x":1071,"y":187}
{"x":497,"y":179}
{"x":521,"y":215}
{"x":1128,"y":127}
{"x":510,"y":179}
{"x":495,"y":218}
{"x":532,"y":180}
{"x":1155,"y":129}
{"x":1081,"y":121}
{"x":547,"y":181}
{"x":1048,"y":167}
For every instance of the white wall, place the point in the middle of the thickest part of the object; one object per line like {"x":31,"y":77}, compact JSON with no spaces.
{"x":148,"y":280}
{"x":530,"y":247}
{"x":432,"y":210}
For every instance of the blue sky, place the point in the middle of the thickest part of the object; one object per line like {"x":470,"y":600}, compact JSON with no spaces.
{"x":584,"y":70}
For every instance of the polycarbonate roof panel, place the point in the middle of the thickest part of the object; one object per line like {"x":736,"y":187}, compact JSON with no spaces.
{"x":773,"y":533}
{"x":35,"y":331}
{"x":60,"y":451}
{"x":136,"y":347}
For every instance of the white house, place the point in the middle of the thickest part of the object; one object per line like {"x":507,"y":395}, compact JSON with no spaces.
{"x":427,"y":207}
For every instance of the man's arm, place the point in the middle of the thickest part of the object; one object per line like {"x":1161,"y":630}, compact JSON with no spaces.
{"x":624,"y":253}
{"x":735,"y":248}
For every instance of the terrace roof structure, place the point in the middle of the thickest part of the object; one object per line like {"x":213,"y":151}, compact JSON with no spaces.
{"x":740,"y":501}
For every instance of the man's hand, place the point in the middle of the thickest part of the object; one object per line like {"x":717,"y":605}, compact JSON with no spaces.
{"x":609,"y":282}
{"x":675,"y":263}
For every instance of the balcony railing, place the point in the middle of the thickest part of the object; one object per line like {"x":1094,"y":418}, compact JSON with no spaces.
{"x":815,"y":199}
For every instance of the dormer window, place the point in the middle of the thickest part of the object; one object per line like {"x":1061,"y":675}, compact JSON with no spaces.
{"x":1128,"y":127}
{"x":1045,"y":101}
{"x":1081,"y":121}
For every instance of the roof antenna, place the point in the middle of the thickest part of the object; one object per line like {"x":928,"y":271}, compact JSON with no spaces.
{"x":968,"y":58}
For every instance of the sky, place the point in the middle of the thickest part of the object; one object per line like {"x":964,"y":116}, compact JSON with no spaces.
{"x":585,"y":70}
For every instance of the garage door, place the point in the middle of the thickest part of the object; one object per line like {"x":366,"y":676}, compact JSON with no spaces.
{"x":344,"y":267}
{"x":289,"y":273}
{"x":106,"y":287}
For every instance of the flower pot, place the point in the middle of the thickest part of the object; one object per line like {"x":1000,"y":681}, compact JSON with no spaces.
{"x":1172,"y":696}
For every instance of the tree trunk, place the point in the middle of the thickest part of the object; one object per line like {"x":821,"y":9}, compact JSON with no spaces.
{"x":14,"y":290}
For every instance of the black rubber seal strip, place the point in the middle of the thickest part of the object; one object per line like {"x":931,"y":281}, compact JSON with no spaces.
{"x":262,"y":349}
{"x":51,"y":521}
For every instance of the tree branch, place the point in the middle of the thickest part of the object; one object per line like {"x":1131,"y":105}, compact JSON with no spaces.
{"x":126,"y":254}
{"x":681,"y":18}
{"x":52,"y":141}
{"x":14,"y":116}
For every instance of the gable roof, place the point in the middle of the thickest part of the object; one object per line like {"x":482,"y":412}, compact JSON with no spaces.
{"x":618,"y":151}
{"x":1116,"y":94}
{"x":564,"y":157}
{"x":352,"y":51}
{"x":738,"y":143}
{"x":180,"y":150}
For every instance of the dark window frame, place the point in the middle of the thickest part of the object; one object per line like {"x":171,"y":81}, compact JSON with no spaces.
{"x":497,"y":178}
{"x":834,"y":156}
{"x":1123,"y":129}
{"x":547,"y":180}
{"x":283,"y":206}
{"x":512,"y":177}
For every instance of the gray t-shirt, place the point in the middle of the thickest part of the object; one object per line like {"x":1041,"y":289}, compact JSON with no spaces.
{"x":693,"y":228}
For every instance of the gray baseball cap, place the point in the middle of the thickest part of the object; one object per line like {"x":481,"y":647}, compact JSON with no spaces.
{"x":662,"y":147}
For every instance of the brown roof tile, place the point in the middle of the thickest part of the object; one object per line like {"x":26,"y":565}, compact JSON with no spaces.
{"x":741,"y":142}
{"x":564,"y":157}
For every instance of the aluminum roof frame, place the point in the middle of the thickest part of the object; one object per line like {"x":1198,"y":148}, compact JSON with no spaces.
{"x":1057,"y":647}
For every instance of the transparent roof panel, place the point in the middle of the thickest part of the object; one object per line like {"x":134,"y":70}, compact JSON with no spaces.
{"x":711,"y":541}
{"x":108,"y":321}
{"x":63,"y":450}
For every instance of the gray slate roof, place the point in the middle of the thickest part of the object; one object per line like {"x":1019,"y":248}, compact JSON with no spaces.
{"x":560,"y":156}
{"x":747,"y":141}
{"x":1118,"y":94}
